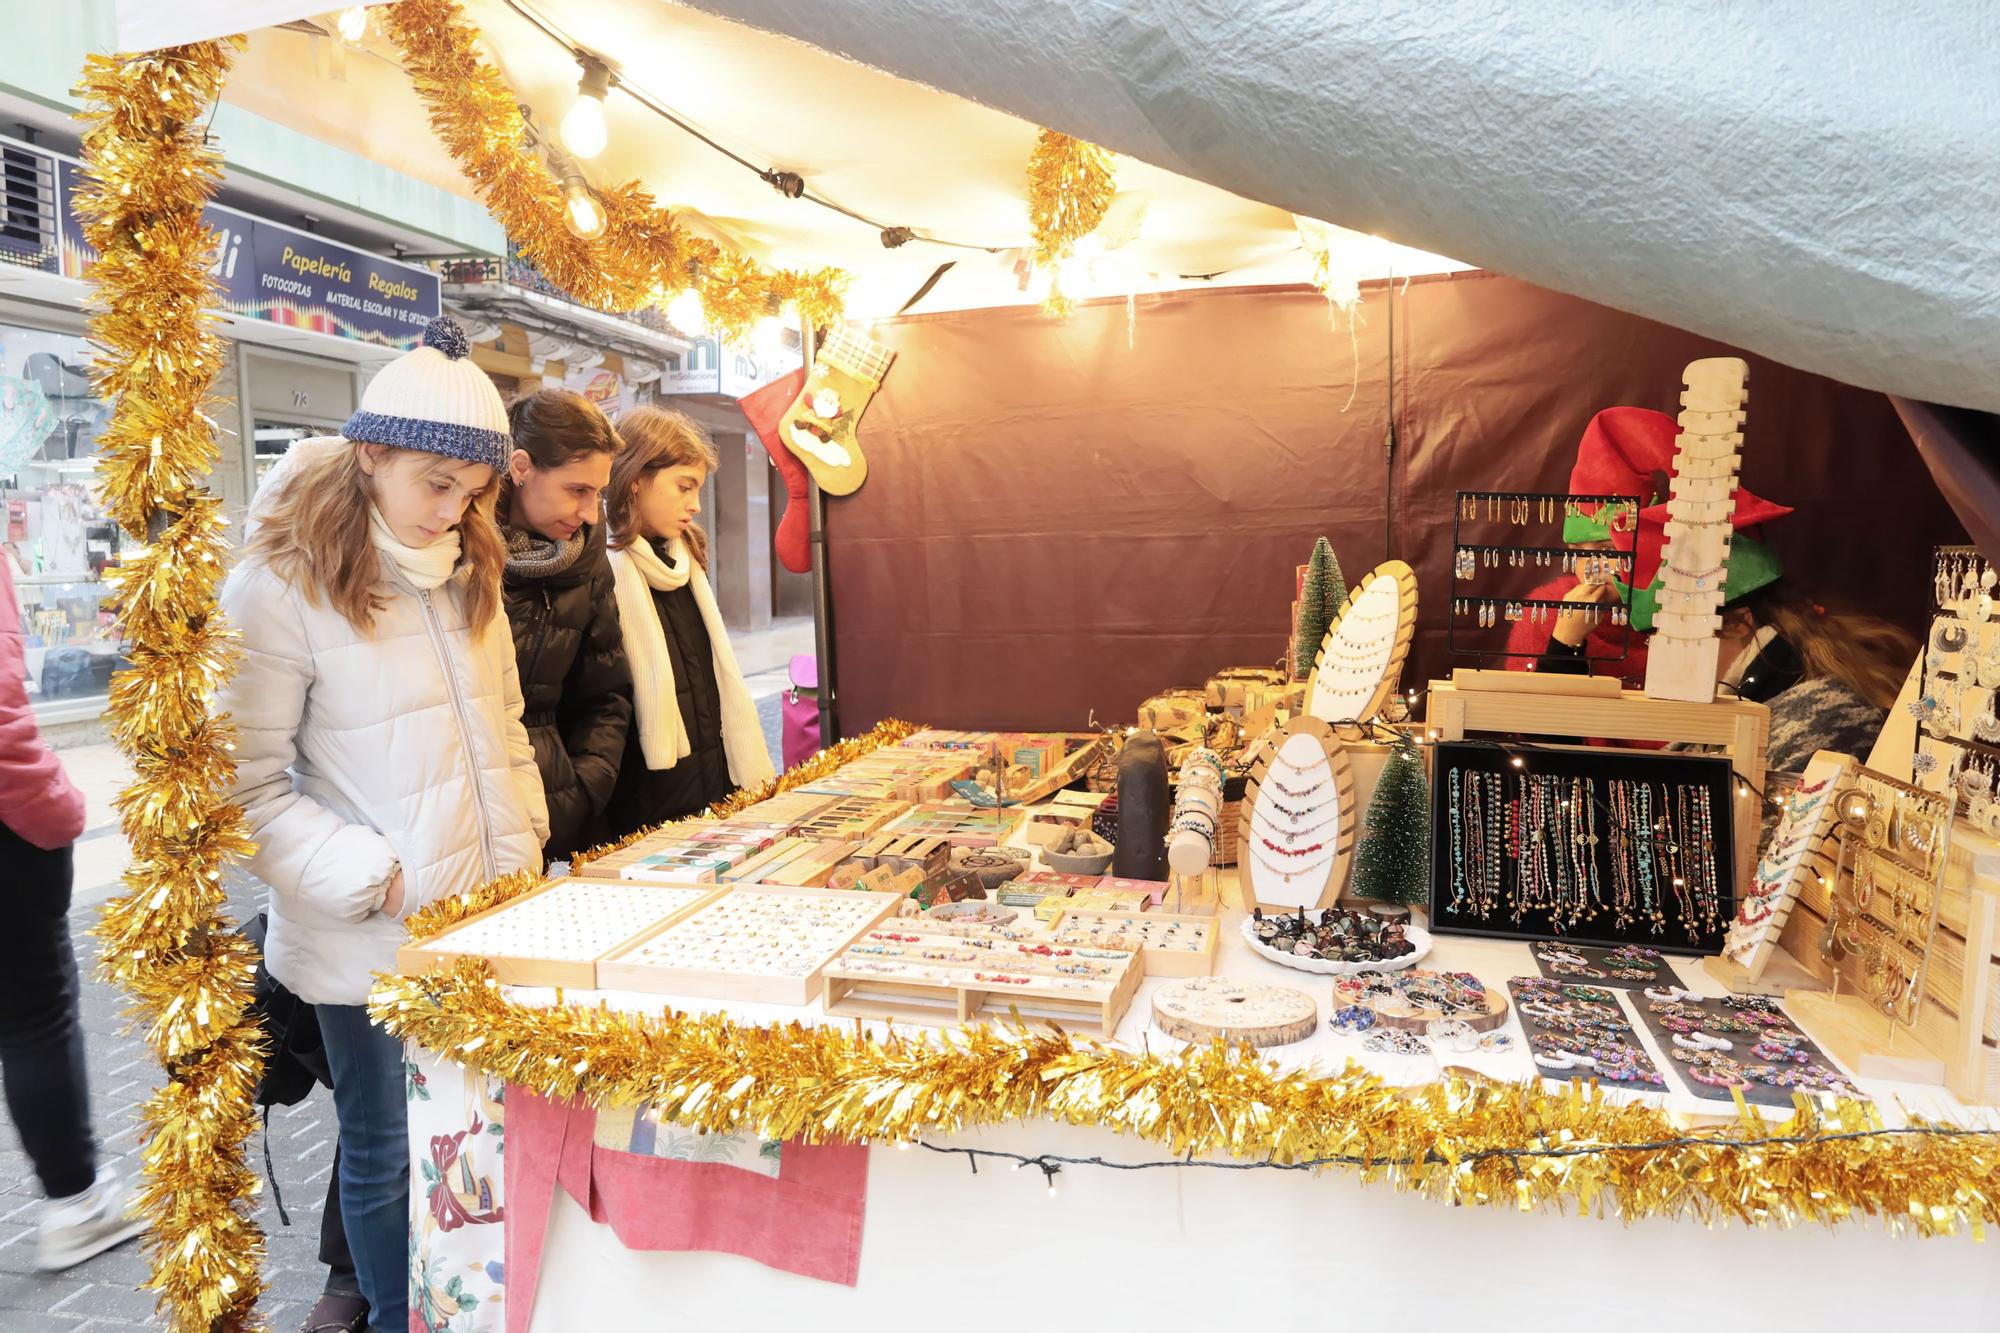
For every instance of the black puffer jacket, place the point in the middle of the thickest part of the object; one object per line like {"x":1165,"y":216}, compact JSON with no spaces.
{"x":577,"y":690}
{"x":647,"y":796}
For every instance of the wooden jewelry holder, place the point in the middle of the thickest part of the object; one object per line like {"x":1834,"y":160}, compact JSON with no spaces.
{"x":1682,"y":654}
{"x":1072,"y":929}
{"x":1320,"y":886}
{"x":1476,"y":703}
{"x":1209,"y":1009}
{"x":1753,"y":961}
{"x":511,"y":949}
{"x":1953,"y":1040}
{"x":849,"y":990}
{"x":1386,"y":591}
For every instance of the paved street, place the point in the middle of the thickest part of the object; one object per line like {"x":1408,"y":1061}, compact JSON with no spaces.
{"x":102,"y":1294}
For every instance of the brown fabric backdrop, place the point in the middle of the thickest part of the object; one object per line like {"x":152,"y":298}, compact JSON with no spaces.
{"x":1055,"y":522}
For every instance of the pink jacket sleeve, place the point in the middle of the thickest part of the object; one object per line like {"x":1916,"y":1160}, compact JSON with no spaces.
{"x":37,"y":799}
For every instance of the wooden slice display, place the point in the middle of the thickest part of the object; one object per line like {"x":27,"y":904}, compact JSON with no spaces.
{"x":1409,"y":1009}
{"x":1204,"y":1008}
{"x":1300,"y":796}
{"x":1361,"y":658}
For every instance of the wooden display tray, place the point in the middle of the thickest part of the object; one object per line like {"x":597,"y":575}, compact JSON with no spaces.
{"x":1158,"y":962}
{"x":442,"y":949}
{"x":807,"y":866}
{"x":871,"y":995}
{"x":1219,"y":1014}
{"x":620,"y":971}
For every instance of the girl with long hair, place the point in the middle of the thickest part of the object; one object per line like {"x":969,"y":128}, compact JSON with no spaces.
{"x":563,"y":609}
{"x":380,"y":761}
{"x":697,"y":737}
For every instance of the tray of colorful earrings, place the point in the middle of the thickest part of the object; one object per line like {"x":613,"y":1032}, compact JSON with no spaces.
{"x":1336,"y":941}
{"x":1738,"y":1043}
{"x":1581,"y":1033}
{"x":1627,"y":966}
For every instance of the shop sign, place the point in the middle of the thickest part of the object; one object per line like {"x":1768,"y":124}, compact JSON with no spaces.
{"x":281,"y":275}
{"x":734,"y":371}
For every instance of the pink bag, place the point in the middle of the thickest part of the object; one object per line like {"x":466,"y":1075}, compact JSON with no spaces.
{"x":800,"y":712}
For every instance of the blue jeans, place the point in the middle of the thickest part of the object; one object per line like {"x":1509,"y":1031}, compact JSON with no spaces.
{"x":368,"y":1098}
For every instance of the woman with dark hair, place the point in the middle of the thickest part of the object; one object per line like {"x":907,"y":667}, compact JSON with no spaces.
{"x":697,"y":738}
{"x":563,"y":611}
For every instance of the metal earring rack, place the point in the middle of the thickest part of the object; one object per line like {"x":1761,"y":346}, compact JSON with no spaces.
{"x":1524,"y":510}
{"x":1956,"y":574}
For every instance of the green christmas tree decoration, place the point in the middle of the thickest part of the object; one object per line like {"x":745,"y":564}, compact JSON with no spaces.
{"x":1393,"y":862}
{"x":1321,"y":597}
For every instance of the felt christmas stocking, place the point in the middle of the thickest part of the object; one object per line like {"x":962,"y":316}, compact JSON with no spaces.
{"x":820,"y":428}
{"x":766,"y":408}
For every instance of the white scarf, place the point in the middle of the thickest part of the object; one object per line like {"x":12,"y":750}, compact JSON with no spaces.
{"x":425,"y":566}
{"x":638,"y":570}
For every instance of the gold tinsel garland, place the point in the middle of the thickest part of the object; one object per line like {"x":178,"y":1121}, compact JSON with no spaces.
{"x":1069,"y":191}
{"x":1462,"y":1140}
{"x":149,"y":172}
{"x":642,"y":258}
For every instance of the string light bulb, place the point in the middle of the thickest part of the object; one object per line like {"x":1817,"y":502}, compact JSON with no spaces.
{"x":582,"y":210}
{"x":583,"y":130}
{"x":352,"y":24}
{"x":685,"y":312}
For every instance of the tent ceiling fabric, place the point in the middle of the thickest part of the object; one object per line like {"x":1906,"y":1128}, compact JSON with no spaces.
{"x":1814,"y":179}
{"x":898,"y":152}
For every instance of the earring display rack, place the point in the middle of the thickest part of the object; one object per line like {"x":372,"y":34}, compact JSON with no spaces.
{"x":1958,"y":705}
{"x":1601,"y":846}
{"x":1683,"y":653}
{"x":1298,"y":822}
{"x":1361,"y":658}
{"x":1490,"y":565}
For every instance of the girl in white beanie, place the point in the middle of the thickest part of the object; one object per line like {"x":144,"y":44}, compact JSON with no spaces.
{"x":381,"y":759}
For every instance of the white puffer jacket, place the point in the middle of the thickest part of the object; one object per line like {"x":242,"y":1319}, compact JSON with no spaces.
{"x":359,"y":752}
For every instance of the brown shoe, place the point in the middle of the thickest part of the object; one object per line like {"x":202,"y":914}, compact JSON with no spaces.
{"x":337,"y":1312}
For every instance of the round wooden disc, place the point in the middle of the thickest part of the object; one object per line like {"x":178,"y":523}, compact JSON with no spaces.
{"x":1204,"y":1008}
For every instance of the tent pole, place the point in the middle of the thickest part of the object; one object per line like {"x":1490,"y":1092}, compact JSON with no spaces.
{"x":829,"y":726}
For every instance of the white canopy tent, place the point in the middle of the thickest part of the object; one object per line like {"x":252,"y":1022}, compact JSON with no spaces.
{"x":1816,"y":182}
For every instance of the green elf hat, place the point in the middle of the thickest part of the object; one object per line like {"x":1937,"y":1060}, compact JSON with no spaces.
{"x":1752,"y":565}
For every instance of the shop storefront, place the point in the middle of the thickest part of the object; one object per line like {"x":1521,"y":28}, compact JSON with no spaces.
{"x":306,"y":320}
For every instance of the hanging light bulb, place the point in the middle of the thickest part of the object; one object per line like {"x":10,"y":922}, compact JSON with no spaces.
{"x":352,"y":24}
{"x":582,"y":210}
{"x":768,"y":336}
{"x":583,"y":130}
{"x":685,"y":312}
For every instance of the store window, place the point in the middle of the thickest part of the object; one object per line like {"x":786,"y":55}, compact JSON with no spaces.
{"x":57,"y":541}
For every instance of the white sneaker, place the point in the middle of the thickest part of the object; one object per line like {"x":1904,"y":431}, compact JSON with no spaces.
{"x":86,"y":1224}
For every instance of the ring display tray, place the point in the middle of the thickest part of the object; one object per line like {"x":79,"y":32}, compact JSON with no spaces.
{"x":755,"y":942}
{"x":555,"y":935}
{"x":1167,"y":944}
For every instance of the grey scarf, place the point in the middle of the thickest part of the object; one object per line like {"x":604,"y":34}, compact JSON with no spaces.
{"x":530,"y":555}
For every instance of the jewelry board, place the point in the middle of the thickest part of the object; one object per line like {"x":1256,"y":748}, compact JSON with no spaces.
{"x":1300,"y":794}
{"x":1958,"y":705}
{"x":1617,"y":889}
{"x":930,"y":971}
{"x":1802,"y":844}
{"x":1627,"y":967}
{"x":1361,"y":657}
{"x":1582,"y":1034}
{"x":1765,"y":1058}
{"x":758,"y":943}
{"x":1885,"y":915}
{"x":1681,"y":655}
{"x":556,"y":934}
